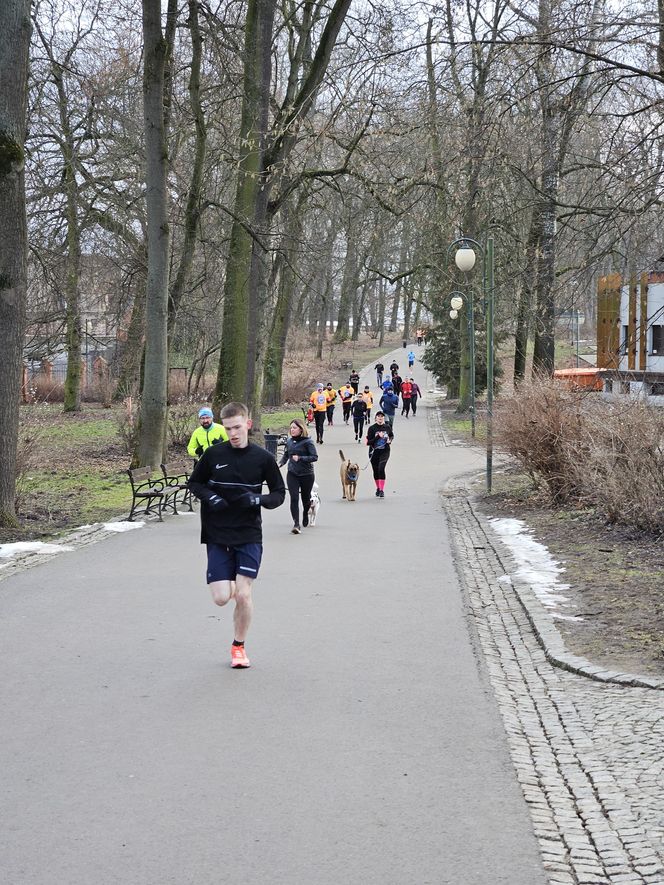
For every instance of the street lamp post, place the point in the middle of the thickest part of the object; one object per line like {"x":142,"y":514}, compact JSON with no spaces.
{"x":457,"y":300}
{"x":464,"y":258}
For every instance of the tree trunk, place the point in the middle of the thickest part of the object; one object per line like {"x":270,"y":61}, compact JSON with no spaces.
{"x":14,"y":48}
{"x":358,"y":313}
{"x":152,"y":419}
{"x":274,"y":358}
{"x":407,"y":310}
{"x":544,"y":350}
{"x":129,"y":378}
{"x":276,"y":349}
{"x":322,"y":317}
{"x":382,"y":300}
{"x":348,"y":285}
{"x":241,"y":269}
{"x":72,"y":391}
{"x":192,"y":209}
{"x":525,"y":305}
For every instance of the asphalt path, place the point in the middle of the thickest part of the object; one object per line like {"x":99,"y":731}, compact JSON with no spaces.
{"x":363,"y":745}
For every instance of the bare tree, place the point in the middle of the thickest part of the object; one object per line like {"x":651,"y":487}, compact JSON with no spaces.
{"x":14,"y":51}
{"x":153,"y":411}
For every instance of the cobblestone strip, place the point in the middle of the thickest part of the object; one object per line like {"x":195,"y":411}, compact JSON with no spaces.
{"x":435,"y":426}
{"x":587,"y":828}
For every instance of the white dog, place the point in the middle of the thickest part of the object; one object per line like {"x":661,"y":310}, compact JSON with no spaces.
{"x":314,"y":506}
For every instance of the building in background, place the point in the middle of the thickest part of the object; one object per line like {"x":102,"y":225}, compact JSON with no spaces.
{"x":630,"y":333}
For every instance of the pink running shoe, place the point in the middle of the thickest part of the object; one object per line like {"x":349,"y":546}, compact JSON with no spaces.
{"x":239,"y":659}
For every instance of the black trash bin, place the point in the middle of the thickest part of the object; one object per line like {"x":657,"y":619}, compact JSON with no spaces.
{"x":271,"y":440}
{"x":403,"y":344}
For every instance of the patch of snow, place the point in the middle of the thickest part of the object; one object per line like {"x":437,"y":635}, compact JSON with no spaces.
{"x":535,"y":565}
{"x":122,"y":526}
{"x":9,"y":550}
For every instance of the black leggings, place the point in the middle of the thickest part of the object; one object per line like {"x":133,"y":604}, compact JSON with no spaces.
{"x":299,"y":486}
{"x":319,"y":418}
{"x":413,"y":404}
{"x":358,"y":425}
{"x":379,"y":459}
{"x":405,"y":406}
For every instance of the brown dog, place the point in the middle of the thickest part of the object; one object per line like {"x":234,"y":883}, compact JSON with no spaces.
{"x":350,"y":473}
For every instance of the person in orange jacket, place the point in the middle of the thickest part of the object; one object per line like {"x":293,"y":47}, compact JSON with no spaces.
{"x":346,"y":397}
{"x":318,"y":400}
{"x":331,"y":395}
{"x":367,"y":396}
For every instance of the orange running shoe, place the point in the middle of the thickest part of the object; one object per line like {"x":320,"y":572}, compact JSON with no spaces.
{"x":239,"y":659}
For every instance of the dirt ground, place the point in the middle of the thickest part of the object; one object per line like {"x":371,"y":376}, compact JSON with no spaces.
{"x":615,"y":573}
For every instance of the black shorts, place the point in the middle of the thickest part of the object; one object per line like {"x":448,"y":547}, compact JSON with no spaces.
{"x":225,"y":563}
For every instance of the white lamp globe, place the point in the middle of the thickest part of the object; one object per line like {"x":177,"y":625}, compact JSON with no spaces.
{"x":465,"y":259}
{"x":454,"y":314}
{"x":456,"y":303}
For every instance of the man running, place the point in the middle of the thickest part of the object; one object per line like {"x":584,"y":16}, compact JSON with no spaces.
{"x":318,"y":400}
{"x":228,"y":480}
{"x":367,"y":396}
{"x":331,"y":395}
{"x":359,"y":412}
{"x":346,"y":397}
{"x":389,"y":403}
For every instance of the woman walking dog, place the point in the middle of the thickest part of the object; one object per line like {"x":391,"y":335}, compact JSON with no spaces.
{"x":300,"y":453}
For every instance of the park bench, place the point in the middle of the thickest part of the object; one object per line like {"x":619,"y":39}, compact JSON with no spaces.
{"x":147,"y":493}
{"x":175,"y":476}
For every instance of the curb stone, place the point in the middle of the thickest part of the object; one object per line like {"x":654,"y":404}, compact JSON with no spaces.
{"x":548,"y":635}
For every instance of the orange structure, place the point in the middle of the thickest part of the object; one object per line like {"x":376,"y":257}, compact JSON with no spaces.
{"x":580,"y":379}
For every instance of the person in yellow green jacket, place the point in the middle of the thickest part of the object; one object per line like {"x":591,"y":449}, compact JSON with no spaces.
{"x":205,"y":435}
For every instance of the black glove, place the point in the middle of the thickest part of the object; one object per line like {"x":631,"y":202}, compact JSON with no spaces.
{"x":249,"y":500}
{"x":216,"y":502}
{"x":199,"y":450}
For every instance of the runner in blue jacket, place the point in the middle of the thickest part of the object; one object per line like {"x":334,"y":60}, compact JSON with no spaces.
{"x":389,"y":403}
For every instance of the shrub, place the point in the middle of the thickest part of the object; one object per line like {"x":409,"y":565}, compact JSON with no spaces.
{"x":42,"y":389}
{"x":127,"y":423}
{"x":29,"y":450}
{"x":603,"y":454}
{"x":624,"y":469}
{"x":542,"y":425}
{"x":182,"y":420}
